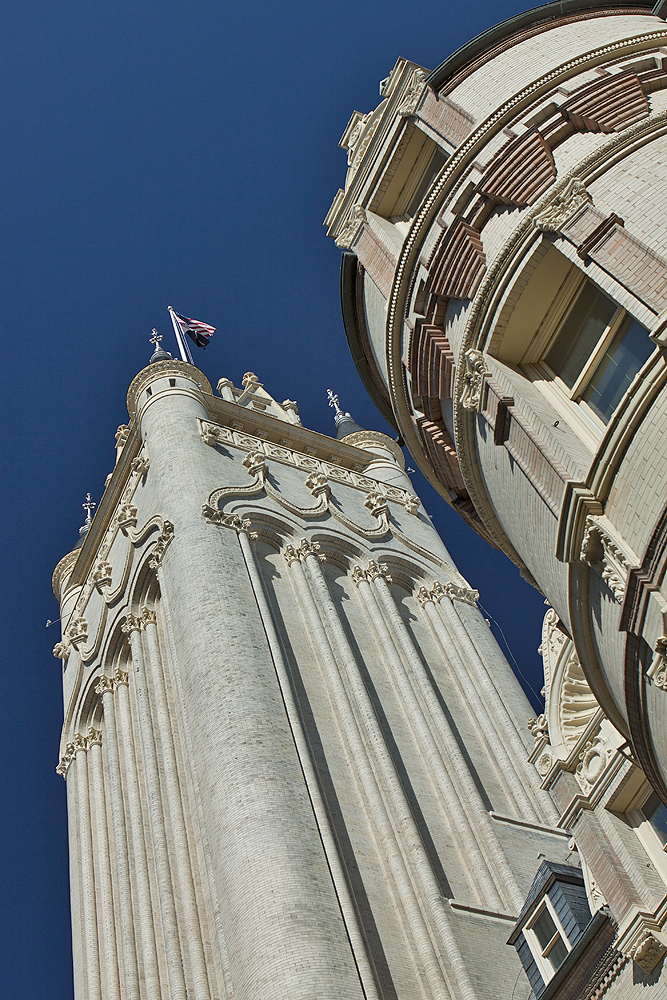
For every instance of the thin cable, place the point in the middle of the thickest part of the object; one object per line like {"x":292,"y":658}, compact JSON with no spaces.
{"x":511,"y":654}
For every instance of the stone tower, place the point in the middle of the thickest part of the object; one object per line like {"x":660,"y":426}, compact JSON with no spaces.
{"x":295,"y":757}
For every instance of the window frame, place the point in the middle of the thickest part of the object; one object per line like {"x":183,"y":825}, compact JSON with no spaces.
{"x":582,"y":417}
{"x":643,"y":827}
{"x":540,"y":954}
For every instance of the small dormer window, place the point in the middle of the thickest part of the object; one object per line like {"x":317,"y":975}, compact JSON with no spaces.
{"x":547,"y":940}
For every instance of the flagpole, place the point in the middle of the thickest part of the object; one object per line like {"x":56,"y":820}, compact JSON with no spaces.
{"x":180,"y":339}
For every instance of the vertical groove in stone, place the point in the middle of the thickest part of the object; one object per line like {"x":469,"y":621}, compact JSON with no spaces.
{"x":157,"y":826}
{"x":434,"y":902}
{"x":498,"y":868}
{"x":193,"y":935}
{"x":525,"y":771}
{"x":352,"y":925}
{"x":130,"y":970}
{"x":136,"y":843}
{"x":92,"y":959}
{"x":108,"y":949}
{"x":75,"y":881}
{"x":426,"y":956}
{"x":510,"y":779}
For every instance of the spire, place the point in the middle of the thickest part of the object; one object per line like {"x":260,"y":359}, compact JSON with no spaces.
{"x":344,"y":423}
{"x":88,"y":506}
{"x":159,"y":354}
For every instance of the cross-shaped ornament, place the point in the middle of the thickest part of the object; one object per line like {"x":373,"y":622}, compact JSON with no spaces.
{"x":333,"y":401}
{"x":155,"y":339}
{"x":88,"y":506}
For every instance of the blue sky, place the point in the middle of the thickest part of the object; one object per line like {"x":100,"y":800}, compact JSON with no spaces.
{"x":160,"y":153}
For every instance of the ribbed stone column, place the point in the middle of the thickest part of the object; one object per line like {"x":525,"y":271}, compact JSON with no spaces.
{"x":68,"y":772}
{"x":133,"y":625}
{"x":413,"y":845}
{"x":510,"y":778}
{"x":108,"y":950}
{"x":504,"y":723}
{"x":436,"y":722}
{"x":145,"y":931}
{"x":105,"y":688}
{"x":353,"y":925}
{"x":357,"y":752}
{"x":181,"y":853}
{"x":477,"y":871}
{"x":92,"y":954}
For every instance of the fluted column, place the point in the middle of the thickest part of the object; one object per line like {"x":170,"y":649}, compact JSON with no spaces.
{"x":133,"y":626}
{"x":68,"y":772}
{"x":503,"y":721}
{"x":507,"y":769}
{"x":436,"y":724}
{"x":181,"y":852}
{"x":105,"y":688}
{"x":108,"y":950}
{"x":479,"y":877}
{"x":348,"y":910}
{"x":136,"y":843}
{"x":406,"y":826}
{"x":92,"y":955}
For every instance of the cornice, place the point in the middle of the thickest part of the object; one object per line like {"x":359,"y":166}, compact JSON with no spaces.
{"x":360,"y":438}
{"x":61,"y":571}
{"x":156,"y":370}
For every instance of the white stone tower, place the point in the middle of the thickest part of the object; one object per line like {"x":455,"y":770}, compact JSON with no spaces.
{"x":295,"y":756}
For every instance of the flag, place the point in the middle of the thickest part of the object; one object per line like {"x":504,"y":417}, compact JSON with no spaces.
{"x":200,"y":332}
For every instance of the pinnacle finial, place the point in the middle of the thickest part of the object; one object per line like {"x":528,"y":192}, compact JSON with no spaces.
{"x":159,"y":354}
{"x":88,"y":506}
{"x":155,"y":339}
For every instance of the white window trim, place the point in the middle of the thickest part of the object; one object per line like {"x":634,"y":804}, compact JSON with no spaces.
{"x":645,"y":832}
{"x":545,"y":967}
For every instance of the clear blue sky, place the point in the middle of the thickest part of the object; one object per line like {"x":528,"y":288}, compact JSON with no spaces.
{"x":159,"y":153}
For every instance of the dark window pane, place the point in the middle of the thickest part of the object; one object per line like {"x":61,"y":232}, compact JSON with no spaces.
{"x":589,"y":317}
{"x":656,"y":814}
{"x":544,"y":928}
{"x":626,"y":354}
{"x":557,"y":953}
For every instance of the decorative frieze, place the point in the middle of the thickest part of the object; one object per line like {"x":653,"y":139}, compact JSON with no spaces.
{"x":286,"y":455}
{"x":564,"y":204}
{"x":163,"y":542}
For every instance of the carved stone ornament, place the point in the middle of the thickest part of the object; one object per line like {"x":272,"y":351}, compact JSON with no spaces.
{"x":80,"y":743}
{"x":455,"y":593}
{"x":593,"y":761}
{"x":647,"y":952}
{"x":209,"y":433}
{"x":571,"y":198}
{"x":300,"y":552}
{"x":122,"y":434}
{"x":249,"y":379}
{"x":76,"y":632}
{"x":66,"y":759}
{"x":213,"y":516}
{"x":317,"y":484}
{"x":378,"y":569}
{"x":424,"y":596}
{"x":376,"y":503}
{"x":127,"y":517}
{"x":102,"y":575}
{"x":350,"y":230}
{"x":657,"y":672}
{"x":61,"y":650}
{"x":544,"y":761}
{"x":94,"y":737}
{"x":148,"y":616}
{"x":604,"y":554}
{"x":105,"y":685}
{"x":413,"y":94}
{"x":411,"y":504}
{"x":120,"y":677}
{"x":254,"y":462}
{"x":473,"y":379}
{"x":132,"y":623}
{"x":163,"y":542}
{"x":140,"y":465}
{"x":577,"y":703}
{"x":539,"y":728}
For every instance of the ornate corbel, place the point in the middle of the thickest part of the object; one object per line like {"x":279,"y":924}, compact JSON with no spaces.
{"x":411,"y":504}
{"x":350,"y":230}
{"x":657,"y":672}
{"x":317,"y":484}
{"x":376,"y":504}
{"x":102,"y":575}
{"x":255,"y":463}
{"x":162,"y":544}
{"x":604,"y":554}
{"x":105,"y":685}
{"x":140,"y":465}
{"x":76,"y":632}
{"x":473,"y":379}
{"x":132,"y":623}
{"x":127,"y":517}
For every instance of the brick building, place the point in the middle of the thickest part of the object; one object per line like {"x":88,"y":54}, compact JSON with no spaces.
{"x":296,"y":759}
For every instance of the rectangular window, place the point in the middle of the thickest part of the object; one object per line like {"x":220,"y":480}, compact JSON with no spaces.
{"x":597,"y":352}
{"x":547,"y":940}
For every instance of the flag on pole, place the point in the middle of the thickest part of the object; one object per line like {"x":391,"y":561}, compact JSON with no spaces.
{"x":200,"y":332}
